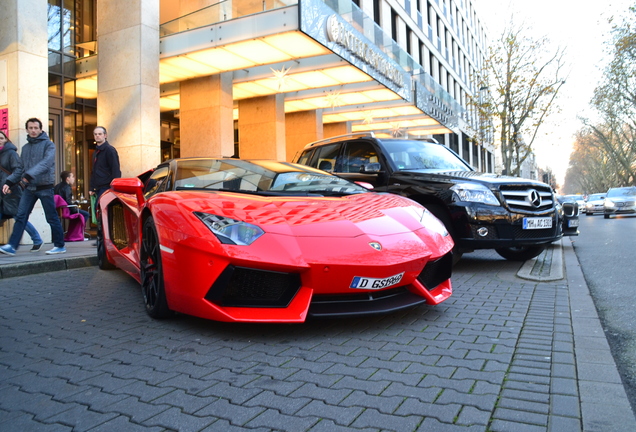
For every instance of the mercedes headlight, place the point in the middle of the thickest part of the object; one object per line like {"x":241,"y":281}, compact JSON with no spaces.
{"x":230,"y":231}
{"x":472,"y":192}
{"x":609,"y":204}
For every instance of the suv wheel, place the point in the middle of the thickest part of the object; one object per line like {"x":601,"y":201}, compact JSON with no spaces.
{"x":520,"y":253}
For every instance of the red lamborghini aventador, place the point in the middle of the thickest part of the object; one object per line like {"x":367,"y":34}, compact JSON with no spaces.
{"x":264,"y":241}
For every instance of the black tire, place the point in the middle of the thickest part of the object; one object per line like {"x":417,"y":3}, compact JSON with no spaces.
{"x":520,"y":253}
{"x":102,"y":255}
{"x":588,"y":214}
{"x":606,"y":216}
{"x":152,"y":286}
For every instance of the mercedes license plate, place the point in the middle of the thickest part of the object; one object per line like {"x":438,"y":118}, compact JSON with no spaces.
{"x":537,"y":223}
{"x":573,"y":223}
{"x":371,"y":283}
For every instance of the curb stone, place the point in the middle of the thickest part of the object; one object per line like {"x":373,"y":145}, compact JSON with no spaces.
{"x":547,"y":266}
{"x":30,"y":268}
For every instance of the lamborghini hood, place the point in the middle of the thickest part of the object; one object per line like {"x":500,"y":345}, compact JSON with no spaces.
{"x":349,"y":216}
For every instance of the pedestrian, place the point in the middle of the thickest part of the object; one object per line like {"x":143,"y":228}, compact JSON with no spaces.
{"x":105,"y":163}
{"x":65,"y":189}
{"x":38,"y":175}
{"x":9,"y":163}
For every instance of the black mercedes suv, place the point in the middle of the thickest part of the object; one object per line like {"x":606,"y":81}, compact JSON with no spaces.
{"x":516,"y":217}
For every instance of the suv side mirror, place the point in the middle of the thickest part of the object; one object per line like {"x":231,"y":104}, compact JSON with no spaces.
{"x":370,"y":168}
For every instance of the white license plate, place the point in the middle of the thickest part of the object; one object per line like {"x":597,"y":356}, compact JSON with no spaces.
{"x":537,"y":223}
{"x":360,"y":282}
{"x":573,"y":223}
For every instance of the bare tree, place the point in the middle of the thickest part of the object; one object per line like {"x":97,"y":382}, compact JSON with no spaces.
{"x":591,"y":168}
{"x":615,"y":101}
{"x":523,"y":78}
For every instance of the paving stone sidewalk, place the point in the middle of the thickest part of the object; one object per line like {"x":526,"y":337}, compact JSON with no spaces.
{"x":78,"y":353}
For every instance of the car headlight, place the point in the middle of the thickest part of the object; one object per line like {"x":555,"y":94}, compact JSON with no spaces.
{"x":609,"y":204}
{"x":434,"y":224}
{"x":429,"y":221}
{"x":230,"y":231}
{"x":472,"y":192}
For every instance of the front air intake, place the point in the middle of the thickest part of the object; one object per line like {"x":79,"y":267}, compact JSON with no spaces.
{"x":246,"y":287}
{"x":436,"y":272}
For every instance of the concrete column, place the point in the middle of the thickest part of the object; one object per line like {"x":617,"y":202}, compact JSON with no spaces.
{"x":261,"y":127}
{"x":205,"y":115}
{"x":128,"y":81}
{"x":302,"y":128}
{"x":24,"y":83}
{"x":335,"y":129}
{"x":24,"y":59}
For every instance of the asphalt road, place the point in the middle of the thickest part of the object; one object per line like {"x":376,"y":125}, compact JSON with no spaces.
{"x":605,"y":249}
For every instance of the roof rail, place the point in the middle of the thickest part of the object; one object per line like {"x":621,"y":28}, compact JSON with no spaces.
{"x":339,"y":137}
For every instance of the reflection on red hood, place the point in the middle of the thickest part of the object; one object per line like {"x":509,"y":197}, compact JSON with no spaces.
{"x":349,"y":216}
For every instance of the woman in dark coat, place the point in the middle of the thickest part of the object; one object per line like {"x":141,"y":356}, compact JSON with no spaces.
{"x":65,"y":190}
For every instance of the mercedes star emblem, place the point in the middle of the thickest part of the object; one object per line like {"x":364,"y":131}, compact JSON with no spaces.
{"x":534,"y":198}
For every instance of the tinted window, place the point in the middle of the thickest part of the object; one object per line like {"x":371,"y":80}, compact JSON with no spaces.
{"x":324,"y":157}
{"x":265,"y":178}
{"x":356,"y":155}
{"x":305,"y":157}
{"x":621,"y":192}
{"x":424,"y":156}
{"x":157,"y":181}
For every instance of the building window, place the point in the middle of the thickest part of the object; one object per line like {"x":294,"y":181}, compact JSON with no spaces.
{"x":376,"y":12}
{"x":394,"y":25}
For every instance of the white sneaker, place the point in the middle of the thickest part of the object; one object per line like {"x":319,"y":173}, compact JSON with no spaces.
{"x":56,"y":250}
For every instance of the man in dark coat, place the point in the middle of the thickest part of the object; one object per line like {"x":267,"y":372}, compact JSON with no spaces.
{"x":105,"y":163}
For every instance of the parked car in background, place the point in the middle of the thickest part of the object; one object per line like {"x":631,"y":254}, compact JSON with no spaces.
{"x":594,"y":204}
{"x":620,"y":200}
{"x":569,"y":210}
{"x":517,"y":217}
{"x":579,"y":199}
{"x":264,"y":241}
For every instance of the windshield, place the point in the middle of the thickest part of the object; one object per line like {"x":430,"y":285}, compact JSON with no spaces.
{"x":622,"y":192}
{"x":596,"y":197}
{"x":423,"y":156}
{"x":262,"y":178}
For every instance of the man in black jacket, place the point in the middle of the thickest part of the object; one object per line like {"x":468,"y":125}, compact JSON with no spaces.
{"x":105,"y":163}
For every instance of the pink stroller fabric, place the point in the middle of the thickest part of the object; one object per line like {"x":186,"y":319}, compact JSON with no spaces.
{"x":76,"y":223}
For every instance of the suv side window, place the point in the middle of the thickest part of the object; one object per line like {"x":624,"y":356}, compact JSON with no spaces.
{"x":305,"y":157}
{"x":356,"y":154}
{"x":324,"y":158}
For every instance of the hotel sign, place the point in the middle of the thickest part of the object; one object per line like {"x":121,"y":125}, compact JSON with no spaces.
{"x":327,"y":27}
{"x":430,"y":104}
{"x":338,"y":33}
